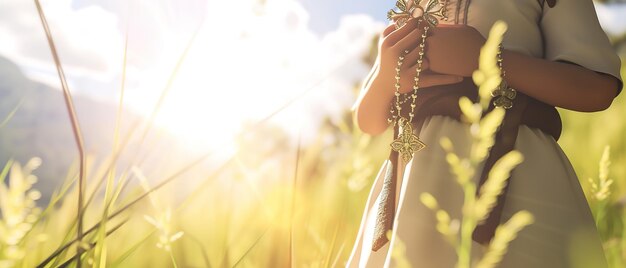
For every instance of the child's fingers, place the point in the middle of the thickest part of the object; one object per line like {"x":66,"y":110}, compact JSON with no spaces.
{"x":410,"y":41}
{"x":390,"y":28}
{"x":396,"y":35}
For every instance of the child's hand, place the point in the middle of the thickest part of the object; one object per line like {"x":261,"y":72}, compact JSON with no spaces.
{"x":454,"y":49}
{"x":392,"y":45}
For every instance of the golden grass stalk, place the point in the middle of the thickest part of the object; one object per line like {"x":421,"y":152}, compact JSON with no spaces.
{"x":78,"y":137}
{"x":294,"y":190}
{"x":18,"y":210}
{"x":605,"y":212}
{"x":118,"y":262}
{"x":100,"y":252}
{"x":504,"y":235}
{"x":495,"y":184}
{"x":333,"y":243}
{"x":163,"y":222}
{"x":601,"y":189}
{"x":89,"y":246}
{"x":249,"y":249}
{"x":445,"y":225}
{"x":483,"y":129}
{"x":7,"y":118}
{"x":118,"y":212}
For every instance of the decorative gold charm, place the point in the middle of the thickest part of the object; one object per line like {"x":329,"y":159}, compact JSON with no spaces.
{"x":504,"y":95}
{"x":407,"y":142}
{"x":435,"y":10}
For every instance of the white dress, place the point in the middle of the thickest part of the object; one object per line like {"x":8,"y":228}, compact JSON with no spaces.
{"x":564,"y":233}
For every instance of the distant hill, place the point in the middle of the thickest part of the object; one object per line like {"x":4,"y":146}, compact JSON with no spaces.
{"x":41,"y":126}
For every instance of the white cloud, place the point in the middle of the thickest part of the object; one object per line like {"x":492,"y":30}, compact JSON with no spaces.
{"x":87,"y":39}
{"x":250,"y":67}
{"x":246,"y":61}
{"x":612,"y":17}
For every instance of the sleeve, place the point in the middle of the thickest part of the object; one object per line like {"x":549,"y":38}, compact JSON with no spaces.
{"x":572,"y":33}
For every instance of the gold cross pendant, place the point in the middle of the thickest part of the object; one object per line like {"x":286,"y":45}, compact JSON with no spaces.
{"x":432,"y":12}
{"x":407,"y":142}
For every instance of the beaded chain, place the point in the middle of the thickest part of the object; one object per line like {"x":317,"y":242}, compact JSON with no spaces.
{"x":413,"y":95}
{"x":407,"y":142}
{"x":503,"y":94}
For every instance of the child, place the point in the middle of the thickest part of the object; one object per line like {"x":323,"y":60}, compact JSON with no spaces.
{"x":553,"y":52}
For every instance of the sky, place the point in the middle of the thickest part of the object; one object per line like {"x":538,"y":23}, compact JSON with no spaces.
{"x":325,"y":14}
{"x":245,"y":61}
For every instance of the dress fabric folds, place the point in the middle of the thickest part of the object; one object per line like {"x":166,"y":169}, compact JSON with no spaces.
{"x":564,"y":233}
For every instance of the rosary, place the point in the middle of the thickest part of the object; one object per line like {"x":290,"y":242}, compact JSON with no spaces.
{"x":406,"y":143}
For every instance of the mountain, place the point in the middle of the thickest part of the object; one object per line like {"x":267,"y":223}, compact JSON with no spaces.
{"x":41,"y":127}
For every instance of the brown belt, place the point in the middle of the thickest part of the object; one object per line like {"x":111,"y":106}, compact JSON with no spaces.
{"x":444,"y":100}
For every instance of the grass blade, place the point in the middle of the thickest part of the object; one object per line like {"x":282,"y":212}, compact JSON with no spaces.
{"x":11,"y":114}
{"x":332,"y":247}
{"x":69,"y":104}
{"x":207,"y":262}
{"x":91,"y":245}
{"x":132,"y":249}
{"x":250,"y":248}
{"x":293,"y":203}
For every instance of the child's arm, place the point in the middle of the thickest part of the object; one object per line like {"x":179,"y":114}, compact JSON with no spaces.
{"x":571,"y":34}
{"x":561,"y":84}
{"x":557,"y":83}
